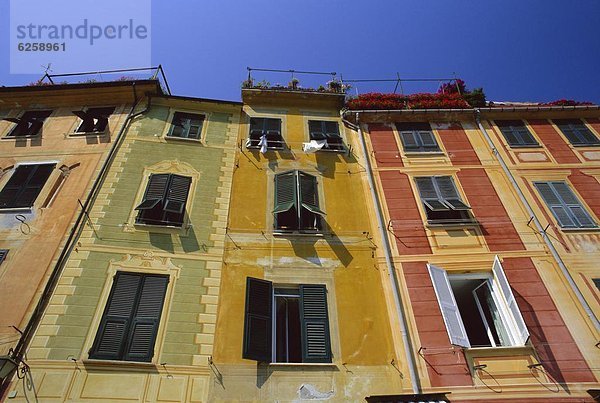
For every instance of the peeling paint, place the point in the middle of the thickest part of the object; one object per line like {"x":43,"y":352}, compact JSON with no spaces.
{"x":309,"y":392}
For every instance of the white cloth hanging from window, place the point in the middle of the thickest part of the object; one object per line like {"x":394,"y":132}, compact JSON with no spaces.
{"x":314,"y":146}
{"x":263,"y":143}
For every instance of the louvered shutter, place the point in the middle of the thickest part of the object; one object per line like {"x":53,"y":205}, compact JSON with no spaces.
{"x":428,"y":140}
{"x":452,"y":319}
{"x":573,"y":205}
{"x":177,"y":194}
{"x":177,"y":126}
{"x":285,"y":192}
{"x":316,"y":130}
{"x":87,"y":121}
{"x":144,"y":325}
{"x":256,"y":128}
{"x":449,"y":193}
{"x":555,"y":204}
{"x":585,"y":133}
{"x":428,"y":194}
{"x":500,"y":278}
{"x":155,"y":191}
{"x":101,"y":116}
{"x":510,"y":135}
{"x":116,"y":320}
{"x":315,"y":324}
{"x":258,"y":320}
{"x":309,"y":197}
{"x":409,"y":141}
{"x":3,"y":253}
{"x":25,"y":185}
{"x":273,"y":132}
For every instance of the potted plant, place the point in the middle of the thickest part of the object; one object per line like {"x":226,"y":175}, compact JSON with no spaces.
{"x":293,"y":84}
{"x":334,"y":85}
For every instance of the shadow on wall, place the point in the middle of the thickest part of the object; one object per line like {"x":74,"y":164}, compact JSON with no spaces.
{"x":162,"y":241}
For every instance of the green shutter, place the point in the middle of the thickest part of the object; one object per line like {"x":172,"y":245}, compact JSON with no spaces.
{"x":314,"y":320}
{"x":258,"y":320}
{"x":573,"y":205}
{"x":309,"y":197}
{"x":555,"y":204}
{"x":111,"y":337}
{"x":316,"y":130}
{"x":285,"y":192}
{"x":144,"y":325}
{"x":155,"y":191}
{"x":177,"y":194}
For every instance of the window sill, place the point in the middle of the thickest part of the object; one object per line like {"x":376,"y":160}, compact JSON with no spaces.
{"x":184,"y":139}
{"x":580,"y":230}
{"x":436,"y":225}
{"x":498,"y":351}
{"x":586,"y":145}
{"x":162,"y":229}
{"x":21,"y":210}
{"x":87,"y":134}
{"x":14,"y":138}
{"x":424,"y":153}
{"x":282,"y":365}
{"x":529,"y":146}
{"x":120,"y":364}
{"x":299,"y":234}
{"x":268,"y":148}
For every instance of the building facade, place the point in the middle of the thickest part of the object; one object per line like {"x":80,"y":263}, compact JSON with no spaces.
{"x":488,"y":304}
{"x":133,"y":315}
{"x":302,"y":313}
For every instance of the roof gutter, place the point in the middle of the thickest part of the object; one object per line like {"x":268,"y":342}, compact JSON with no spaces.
{"x":393,"y":276}
{"x":478,"y":110}
{"x":538,"y":225}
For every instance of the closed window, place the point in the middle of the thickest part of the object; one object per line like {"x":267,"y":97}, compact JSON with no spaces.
{"x":94,"y":120}
{"x":516,"y":133}
{"x":479,"y":310}
{"x":29,"y":124}
{"x":322,"y":130}
{"x":265,"y":130}
{"x":565,"y":206}
{"x":286,"y":324}
{"x":186,"y":125}
{"x":25,"y":185}
{"x":441,"y":200}
{"x":577,"y":132}
{"x":164,"y":200}
{"x":297,"y":202}
{"x":417,"y":137}
{"x":130,"y":321}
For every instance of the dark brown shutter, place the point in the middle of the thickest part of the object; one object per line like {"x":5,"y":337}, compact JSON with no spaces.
{"x":258,"y":320}
{"x":25,"y":185}
{"x":177,"y":194}
{"x":316,"y":346}
{"x":144,"y":326}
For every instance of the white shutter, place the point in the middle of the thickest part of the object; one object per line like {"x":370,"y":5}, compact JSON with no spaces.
{"x":454,"y":324}
{"x":521,"y":328}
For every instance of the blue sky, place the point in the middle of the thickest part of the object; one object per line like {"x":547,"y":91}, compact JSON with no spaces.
{"x":520,"y":50}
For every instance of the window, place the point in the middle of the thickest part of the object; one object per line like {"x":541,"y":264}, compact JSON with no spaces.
{"x":3,"y":253}
{"x":287,"y":324}
{"x":93,"y":120}
{"x":516,"y":133}
{"x":417,"y":137}
{"x":186,"y":126}
{"x":269,"y":128}
{"x":565,"y":206}
{"x":29,"y":124}
{"x":577,"y":132}
{"x":329,"y":132}
{"x":297,"y":202}
{"x":479,"y":311}
{"x":165,"y":200}
{"x":441,"y":200}
{"x":595,"y":280}
{"x":25,"y":185}
{"x":130,"y":321}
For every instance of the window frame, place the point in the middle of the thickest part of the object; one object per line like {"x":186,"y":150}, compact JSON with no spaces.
{"x":80,"y":122}
{"x":313,"y":207}
{"x":567,"y":207}
{"x":16,"y":122}
{"x":467,"y":218}
{"x":342,"y":144}
{"x":517,"y":133}
{"x":164,"y":201}
{"x":502,"y":295}
{"x":264,"y":132}
{"x":42,"y":189}
{"x":266,"y":318}
{"x":201,"y":134}
{"x":417,"y":131}
{"x":575,"y":128}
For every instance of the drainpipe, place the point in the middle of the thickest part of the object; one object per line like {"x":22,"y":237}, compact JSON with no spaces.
{"x":74,"y":234}
{"x":406,"y":339}
{"x":538,"y":225}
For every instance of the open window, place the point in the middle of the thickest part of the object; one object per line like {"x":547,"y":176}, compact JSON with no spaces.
{"x":286,"y":324}
{"x":479,"y":310}
{"x":265,"y":129}
{"x":29,"y":124}
{"x":516,"y":133}
{"x":129,"y":325}
{"x":164,"y":200}
{"x":93,"y":120}
{"x":577,"y":132}
{"x":25,"y":185}
{"x":417,"y":137}
{"x":564,"y":205}
{"x":442,"y":203}
{"x":297,"y":202}
{"x":328,"y":131}
{"x":186,"y":126}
